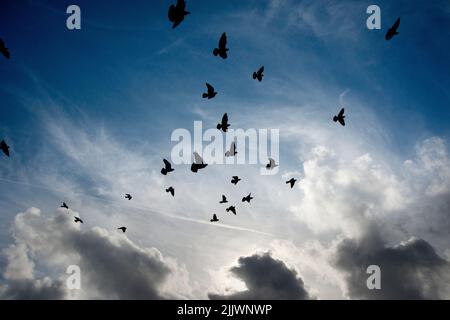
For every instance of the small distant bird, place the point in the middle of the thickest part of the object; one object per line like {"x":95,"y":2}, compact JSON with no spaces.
{"x":235,"y":180}
{"x":123,"y":229}
{"x":211,"y":93}
{"x":177,"y":13}
{"x":224,"y":124}
{"x":222,"y":49}
{"x":128,"y":196}
{"x":214,"y":218}
{"x":65,"y":206}
{"x":393,"y":30}
{"x":340,"y":117}
{"x":292,"y":182}
{"x":3,"y":49}
{"x":168,"y":167}
{"x":232,"y":152}
{"x":258,"y":74}
{"x":4,"y":147}
{"x":247,"y":198}
{"x":271,"y":164}
{"x":171,"y":191}
{"x":198,"y":164}
{"x":78,"y":220}
{"x":224,"y":199}
{"x":232,"y":209}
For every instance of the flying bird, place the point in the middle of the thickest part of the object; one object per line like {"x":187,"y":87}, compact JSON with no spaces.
{"x":64,"y":205}
{"x":123,"y":229}
{"x":128,"y":196}
{"x":3,"y":49}
{"x":232,"y":209}
{"x":235,"y":180}
{"x":223,"y":125}
{"x":340,"y":117}
{"x":393,"y":30}
{"x":232,"y":152}
{"x":214,"y":218}
{"x":271,"y":164}
{"x":224,"y":199}
{"x":211,"y":93}
{"x":222,"y":49}
{"x":292,"y":182}
{"x":78,"y":220}
{"x":247,"y":198}
{"x":168,"y":167}
{"x":171,"y":190}
{"x":198,"y":163}
{"x":4,"y":147}
{"x":258,"y":74}
{"x":177,"y":13}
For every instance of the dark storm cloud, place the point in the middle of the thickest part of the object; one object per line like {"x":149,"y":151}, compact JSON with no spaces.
{"x":266,"y":278}
{"x":33,"y":290}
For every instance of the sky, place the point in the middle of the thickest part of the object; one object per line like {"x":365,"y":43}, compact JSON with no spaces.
{"x":89,"y":115}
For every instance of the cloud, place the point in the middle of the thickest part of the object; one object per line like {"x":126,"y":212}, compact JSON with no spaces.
{"x":265,"y":278}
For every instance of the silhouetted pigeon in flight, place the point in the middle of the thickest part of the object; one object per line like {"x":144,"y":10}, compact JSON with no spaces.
{"x":214,"y":218}
{"x":292,"y":182}
{"x":232,"y":152}
{"x":224,"y":199}
{"x":247,"y":198}
{"x":78,"y":220}
{"x":168,"y":167}
{"x":128,"y":196}
{"x":4,"y":147}
{"x":198,"y":163}
{"x":3,"y":49}
{"x":258,"y":74}
{"x":123,"y":229}
{"x":177,"y":13}
{"x":64,"y":205}
{"x":232,"y":209}
{"x":224,"y":124}
{"x":222,"y":49}
{"x":340,"y":117}
{"x":393,"y":30}
{"x":171,"y":190}
{"x":235,"y":180}
{"x":211,"y":93}
{"x":271,"y":164}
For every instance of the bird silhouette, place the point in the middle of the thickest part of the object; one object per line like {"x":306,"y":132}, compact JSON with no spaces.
{"x":224,"y":199}
{"x":3,"y":49}
{"x":128,"y":196}
{"x":232,"y":209}
{"x":211,"y":93}
{"x":177,"y":13}
{"x":4,"y":147}
{"x":198,"y":163}
{"x":171,"y":191}
{"x":292,"y":182}
{"x":247,"y":198}
{"x":223,"y":125}
{"x":64,"y":205}
{"x":258,"y":74}
{"x":222,"y":49}
{"x":271,"y":164}
{"x":232,"y":152}
{"x":235,"y":180}
{"x":393,"y":30}
{"x":123,"y":229}
{"x":168,"y":167}
{"x":214,"y":218}
{"x":340,"y":117}
{"x":78,"y":220}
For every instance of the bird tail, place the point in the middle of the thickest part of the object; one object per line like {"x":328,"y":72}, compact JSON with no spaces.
{"x":205,"y":95}
{"x":215,"y":52}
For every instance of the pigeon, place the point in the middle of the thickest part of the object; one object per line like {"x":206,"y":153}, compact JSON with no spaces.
{"x":78,"y":220}
{"x":198,"y":164}
{"x":232,"y":209}
{"x":232,"y":152}
{"x":65,"y":206}
{"x":214,"y":218}
{"x":123,"y":229}
{"x":222,"y":49}
{"x":224,"y":199}
{"x":247,"y":198}
{"x":3,"y":49}
{"x":128,"y":196}
{"x":235,"y":180}
{"x":168,"y":167}
{"x":271,"y":164}
{"x":4,"y":147}
{"x":211,"y":93}
{"x":340,"y":117}
{"x":177,"y":13}
{"x":258,"y":74}
{"x":292,"y":182}
{"x":224,"y":124}
{"x":171,"y":190}
{"x":393,"y":30}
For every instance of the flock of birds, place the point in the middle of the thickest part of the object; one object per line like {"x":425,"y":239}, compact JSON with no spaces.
{"x":176,"y":15}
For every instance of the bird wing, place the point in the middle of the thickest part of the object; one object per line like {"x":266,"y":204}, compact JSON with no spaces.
{"x":341,"y":113}
{"x":224,"y":119}
{"x":214,"y":217}
{"x":272,"y":162}
{"x":210,"y":87}
{"x":167,"y":164}
{"x":198,"y":159}
{"x":342,"y":121}
{"x":172,"y":13}
{"x":261,"y":70}
{"x":181,"y":5}
{"x":396,"y":24}
{"x":233,"y":148}
{"x":223,"y":41}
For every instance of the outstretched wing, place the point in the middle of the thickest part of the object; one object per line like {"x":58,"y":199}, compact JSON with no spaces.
{"x":272,"y":162}
{"x":198,"y":159}
{"x":341,"y":113}
{"x":172,"y":13}
{"x":181,"y":5}
{"x":261,"y":70}
{"x":233,"y":148}
{"x":396,"y":24}
{"x":167,"y":164}
{"x":210,"y":87}
{"x":214,"y":217}
{"x":224,"y":119}
{"x":342,"y":121}
{"x":223,"y":41}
